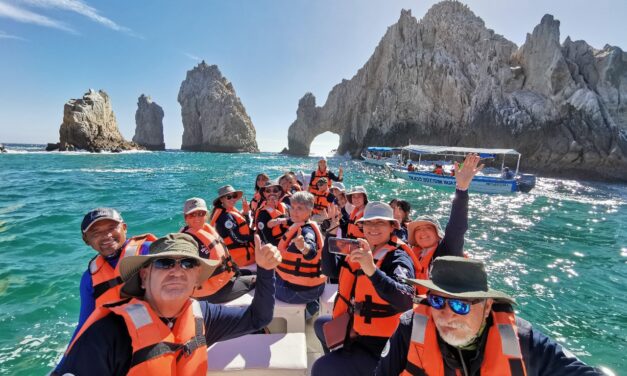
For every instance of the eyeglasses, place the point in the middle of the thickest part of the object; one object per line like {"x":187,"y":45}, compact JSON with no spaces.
{"x":459,"y":306}
{"x":272,"y":190}
{"x":169,"y":263}
{"x":197,"y":214}
{"x":230,"y":197}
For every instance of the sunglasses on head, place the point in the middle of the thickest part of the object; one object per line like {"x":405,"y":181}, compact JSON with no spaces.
{"x":459,"y":306}
{"x":169,"y":263}
{"x":272,"y":190}
{"x":197,"y":214}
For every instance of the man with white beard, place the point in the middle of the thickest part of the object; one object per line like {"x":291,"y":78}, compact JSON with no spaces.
{"x":466,"y":328}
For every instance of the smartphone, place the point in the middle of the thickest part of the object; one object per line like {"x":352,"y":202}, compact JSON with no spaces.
{"x":341,"y":246}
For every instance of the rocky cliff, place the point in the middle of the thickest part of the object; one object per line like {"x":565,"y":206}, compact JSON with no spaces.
{"x":214,"y":118}
{"x":149,"y":124}
{"x":89,"y":124}
{"x":449,"y":80}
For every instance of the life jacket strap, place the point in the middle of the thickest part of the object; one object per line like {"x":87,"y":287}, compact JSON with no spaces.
{"x":369,"y":310}
{"x":103,"y":287}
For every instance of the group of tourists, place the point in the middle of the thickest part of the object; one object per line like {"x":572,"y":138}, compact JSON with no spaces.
{"x":409,"y":301}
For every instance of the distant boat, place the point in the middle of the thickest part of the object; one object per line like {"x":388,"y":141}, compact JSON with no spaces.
{"x":379,"y":155}
{"x":499,"y":181}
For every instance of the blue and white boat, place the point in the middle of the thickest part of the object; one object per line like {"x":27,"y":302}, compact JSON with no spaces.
{"x":380,"y":155}
{"x":500,"y":181}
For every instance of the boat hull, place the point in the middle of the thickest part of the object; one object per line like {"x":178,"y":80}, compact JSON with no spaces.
{"x":483,"y":184}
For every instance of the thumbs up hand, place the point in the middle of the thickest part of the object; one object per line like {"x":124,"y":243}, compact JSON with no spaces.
{"x":267,"y":255}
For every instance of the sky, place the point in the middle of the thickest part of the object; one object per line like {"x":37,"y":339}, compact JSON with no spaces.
{"x":272,"y":51}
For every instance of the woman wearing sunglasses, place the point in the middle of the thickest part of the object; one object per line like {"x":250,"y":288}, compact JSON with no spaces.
{"x":272,"y":220}
{"x":233,"y":225}
{"x":371,"y":296}
{"x":227,"y":282}
{"x":466,"y":328}
{"x":256,"y":201}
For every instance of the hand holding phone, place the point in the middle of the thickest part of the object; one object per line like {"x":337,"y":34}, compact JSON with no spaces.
{"x":341,"y":246}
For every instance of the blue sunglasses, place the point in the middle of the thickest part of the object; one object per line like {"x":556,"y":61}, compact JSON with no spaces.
{"x":169,"y":263}
{"x":460,"y":307}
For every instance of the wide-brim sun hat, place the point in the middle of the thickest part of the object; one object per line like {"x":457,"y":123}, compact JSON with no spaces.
{"x":223,"y":191}
{"x":357,"y":189}
{"x":462,"y":278}
{"x":175,"y":245}
{"x":339,"y":186}
{"x":194,"y":204}
{"x":379,"y":210}
{"x":270,"y":183}
{"x":423,"y":219}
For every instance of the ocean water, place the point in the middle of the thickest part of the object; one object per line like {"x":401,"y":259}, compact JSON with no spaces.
{"x":561,"y":250}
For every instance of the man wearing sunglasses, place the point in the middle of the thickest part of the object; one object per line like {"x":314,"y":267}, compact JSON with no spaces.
{"x":160,"y":329}
{"x":466,"y":328}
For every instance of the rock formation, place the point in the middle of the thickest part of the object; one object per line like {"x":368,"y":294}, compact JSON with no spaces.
{"x":214,"y":119}
{"x":89,"y":124}
{"x":149,"y":124}
{"x":448,"y":80}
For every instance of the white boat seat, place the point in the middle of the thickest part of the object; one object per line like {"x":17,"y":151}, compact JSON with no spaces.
{"x":292,"y":314}
{"x":328,"y":299}
{"x":259,"y":354}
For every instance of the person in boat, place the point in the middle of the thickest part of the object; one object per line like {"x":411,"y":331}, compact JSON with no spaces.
{"x":402,"y":208}
{"x":341,"y":201}
{"x":227,"y":282}
{"x":256,"y":201}
{"x":297,"y":186}
{"x":272,"y":219}
{"x":371,"y":296}
{"x":323,"y":197}
{"x":104,"y":230}
{"x":323,"y":172}
{"x":358,"y":197}
{"x":299,"y":276}
{"x":425,"y":234}
{"x":285,"y":181}
{"x":410,"y":167}
{"x":438,"y":170}
{"x":507,"y":174}
{"x":160,"y":329}
{"x":464,"y":327}
{"x":233,"y":225}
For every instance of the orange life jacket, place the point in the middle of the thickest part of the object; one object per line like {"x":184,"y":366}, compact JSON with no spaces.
{"x":438,"y":171}
{"x":313,"y":183}
{"x":285,"y":199}
{"x":354,"y":231}
{"x":217,"y":250}
{"x":294,"y":268}
{"x":277,"y":231}
{"x":106,"y":280}
{"x":502,"y":355}
{"x":372,"y":315}
{"x":157,"y":349}
{"x":242,"y":254}
{"x":424,"y":257}
{"x":321,"y":202}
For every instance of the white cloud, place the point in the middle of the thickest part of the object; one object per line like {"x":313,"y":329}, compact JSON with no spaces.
{"x":192,"y":56}
{"x":26,"y":16}
{"x":4,"y":35}
{"x":77,"y":6}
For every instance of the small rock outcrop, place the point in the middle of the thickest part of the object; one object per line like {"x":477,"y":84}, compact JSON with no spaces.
{"x":449,"y":80}
{"x":89,"y":124}
{"x":149,"y":124}
{"x":214,"y":118}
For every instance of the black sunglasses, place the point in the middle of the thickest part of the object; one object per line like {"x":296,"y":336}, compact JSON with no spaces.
{"x":168,"y":263}
{"x":230,"y":197}
{"x":272,"y":190}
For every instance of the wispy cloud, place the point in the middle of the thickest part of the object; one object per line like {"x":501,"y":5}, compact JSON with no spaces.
{"x":26,"y":16}
{"x":4,"y":35}
{"x":192,"y":56}
{"x":77,"y":6}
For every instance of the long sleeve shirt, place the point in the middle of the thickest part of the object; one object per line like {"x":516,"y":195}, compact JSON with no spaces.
{"x":542,"y":355}
{"x":105,"y":348}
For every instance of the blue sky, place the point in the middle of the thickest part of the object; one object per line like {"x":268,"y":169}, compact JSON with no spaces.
{"x":272,"y":51}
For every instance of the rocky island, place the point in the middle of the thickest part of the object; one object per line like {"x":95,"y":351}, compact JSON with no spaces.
{"x":449,"y":80}
{"x":89,"y":124}
{"x":149,"y":124}
{"x":214,"y":118}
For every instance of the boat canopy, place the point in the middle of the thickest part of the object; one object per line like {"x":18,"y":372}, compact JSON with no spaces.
{"x":458,"y":150}
{"x":381,"y":148}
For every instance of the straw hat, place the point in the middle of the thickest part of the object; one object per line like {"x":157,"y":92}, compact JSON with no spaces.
{"x":379,"y":210}
{"x":462,"y":278}
{"x":175,"y":245}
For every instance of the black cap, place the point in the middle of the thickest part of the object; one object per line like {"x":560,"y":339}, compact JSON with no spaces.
{"x":99,"y":214}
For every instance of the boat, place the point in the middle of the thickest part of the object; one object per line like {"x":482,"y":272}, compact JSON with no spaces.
{"x":380,"y":155}
{"x":491,"y":180}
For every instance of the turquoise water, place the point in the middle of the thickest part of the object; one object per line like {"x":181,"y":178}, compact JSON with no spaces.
{"x":561,"y":250}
